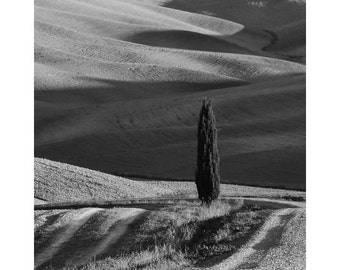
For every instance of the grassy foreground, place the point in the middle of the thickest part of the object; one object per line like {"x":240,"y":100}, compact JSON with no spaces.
{"x":183,"y":235}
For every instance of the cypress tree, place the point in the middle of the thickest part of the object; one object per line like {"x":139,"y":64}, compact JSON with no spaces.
{"x":207,"y":177}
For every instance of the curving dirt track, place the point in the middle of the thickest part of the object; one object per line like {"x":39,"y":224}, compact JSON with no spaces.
{"x":279,"y":244}
{"x":92,"y":232}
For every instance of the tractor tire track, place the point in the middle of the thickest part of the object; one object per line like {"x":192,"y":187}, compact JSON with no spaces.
{"x":117,"y":230}
{"x":266,"y":246}
{"x":79,"y":220}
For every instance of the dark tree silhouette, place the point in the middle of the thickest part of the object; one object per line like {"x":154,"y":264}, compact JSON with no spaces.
{"x":207,"y":177}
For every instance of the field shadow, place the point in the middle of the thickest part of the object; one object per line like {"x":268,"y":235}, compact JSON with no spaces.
{"x":187,"y":40}
{"x":115,"y":90}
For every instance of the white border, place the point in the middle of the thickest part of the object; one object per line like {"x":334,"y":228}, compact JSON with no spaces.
{"x":16,"y":47}
{"x":323,"y":134}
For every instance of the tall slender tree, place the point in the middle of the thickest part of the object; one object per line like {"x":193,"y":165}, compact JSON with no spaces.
{"x":207,"y":176}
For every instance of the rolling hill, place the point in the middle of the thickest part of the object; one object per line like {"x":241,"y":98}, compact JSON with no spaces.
{"x":118,"y":86}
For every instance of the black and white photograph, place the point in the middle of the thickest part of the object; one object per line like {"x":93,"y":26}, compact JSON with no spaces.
{"x":170,"y":135}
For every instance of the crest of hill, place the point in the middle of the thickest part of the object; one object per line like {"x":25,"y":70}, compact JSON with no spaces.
{"x":55,"y":181}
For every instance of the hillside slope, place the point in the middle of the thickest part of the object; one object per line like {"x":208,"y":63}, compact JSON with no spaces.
{"x":60,"y":182}
{"x":118,"y":86}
